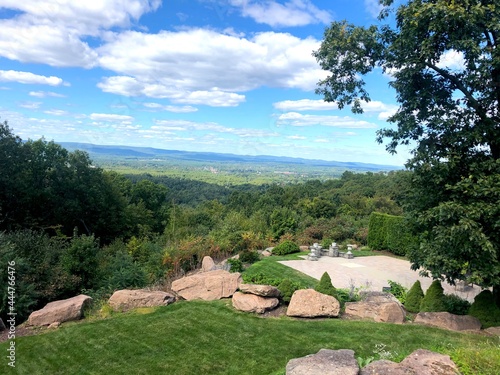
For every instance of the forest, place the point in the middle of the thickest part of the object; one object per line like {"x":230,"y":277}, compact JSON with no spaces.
{"x":72,"y":227}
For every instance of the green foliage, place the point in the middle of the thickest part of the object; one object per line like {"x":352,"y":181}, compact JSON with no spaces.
{"x":377,"y":231}
{"x":286,"y":247}
{"x":456,"y":305}
{"x":249,"y":256}
{"x":287,"y":287}
{"x":235,"y":265}
{"x":485,"y":309}
{"x":398,"y":291}
{"x":283,"y":221}
{"x":325,"y":286}
{"x":80,"y":260}
{"x":414,"y":297}
{"x":433,"y":300}
{"x":121,"y":272}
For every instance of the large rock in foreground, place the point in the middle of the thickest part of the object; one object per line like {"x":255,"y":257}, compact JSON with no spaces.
{"x":420,"y":362}
{"x":60,"y":311}
{"x":387,"y":312}
{"x":325,"y":362}
{"x":124,"y":300}
{"x":253,"y":303}
{"x":260,"y":290}
{"x":307,"y":303}
{"x":448,"y":321}
{"x":208,"y":286}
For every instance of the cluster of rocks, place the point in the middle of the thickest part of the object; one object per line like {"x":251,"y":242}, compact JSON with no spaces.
{"x":342,"y":362}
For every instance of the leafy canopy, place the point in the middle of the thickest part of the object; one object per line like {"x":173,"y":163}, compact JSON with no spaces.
{"x":444,"y":59}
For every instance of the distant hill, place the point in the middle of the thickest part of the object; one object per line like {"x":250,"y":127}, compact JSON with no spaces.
{"x":153,"y":153}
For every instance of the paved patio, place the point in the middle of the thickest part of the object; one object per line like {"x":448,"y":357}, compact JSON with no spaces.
{"x":372,"y":273}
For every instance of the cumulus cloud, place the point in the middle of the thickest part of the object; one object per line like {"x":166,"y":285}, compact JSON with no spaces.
{"x":56,"y":112}
{"x":199,"y":66}
{"x":52,"y":31}
{"x":305,"y":105}
{"x":298,"y":119}
{"x":373,"y":7}
{"x":29,"y":78}
{"x":290,"y":13}
{"x":170,"y":108}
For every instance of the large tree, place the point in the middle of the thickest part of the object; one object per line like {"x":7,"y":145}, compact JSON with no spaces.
{"x":448,"y":113}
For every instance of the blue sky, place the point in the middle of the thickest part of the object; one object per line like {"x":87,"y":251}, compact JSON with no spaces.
{"x":233,"y":76}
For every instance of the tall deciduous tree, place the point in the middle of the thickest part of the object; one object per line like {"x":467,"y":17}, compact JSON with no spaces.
{"x":444,"y":58}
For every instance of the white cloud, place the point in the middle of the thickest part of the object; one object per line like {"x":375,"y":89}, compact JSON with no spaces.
{"x":452,"y":59}
{"x":29,"y":78}
{"x":56,"y":112}
{"x":44,"y":94}
{"x":110,"y":117}
{"x":373,"y":7}
{"x":321,"y":140}
{"x":298,"y":137}
{"x":183,"y":125}
{"x":384,"y":110}
{"x":297,"y":119}
{"x":199,"y":66}
{"x":170,"y":108}
{"x":305,"y":105}
{"x":51,"y":31}
{"x":291,"y":13}
{"x":30,"y":105}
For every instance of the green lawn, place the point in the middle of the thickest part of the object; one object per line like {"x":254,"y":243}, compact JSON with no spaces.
{"x":200,"y":337}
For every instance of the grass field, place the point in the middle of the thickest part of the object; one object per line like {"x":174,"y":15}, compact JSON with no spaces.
{"x":200,"y":337}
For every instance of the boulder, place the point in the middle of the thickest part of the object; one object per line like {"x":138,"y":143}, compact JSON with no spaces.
{"x":304,"y":248}
{"x":307,"y":303}
{"x":207,"y":264}
{"x":379,"y":297}
{"x":253,"y":303}
{"x":208,"y":286}
{"x":495,"y":331}
{"x":60,"y":311}
{"x":387,"y":312}
{"x":124,"y":300}
{"x":448,"y":321}
{"x":325,"y":362}
{"x":266,"y":253}
{"x":420,"y":362}
{"x":260,"y":290}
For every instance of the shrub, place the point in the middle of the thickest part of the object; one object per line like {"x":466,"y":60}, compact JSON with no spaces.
{"x":286,"y":247}
{"x":414,"y":297}
{"x":287,"y":287}
{"x":377,"y":235}
{"x":456,"y":305}
{"x":325,"y":286}
{"x":249,"y":256}
{"x":261,"y":279}
{"x":433,"y":300}
{"x":485,"y":309}
{"x":398,"y":291}
{"x":235,"y":265}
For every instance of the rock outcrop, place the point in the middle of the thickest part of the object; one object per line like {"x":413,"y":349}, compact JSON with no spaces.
{"x":448,"y":321}
{"x":124,"y":300}
{"x":208,"y":286}
{"x":307,"y":303}
{"x":60,"y":311}
{"x":325,"y":362}
{"x":387,"y":312}
{"x":420,"y":362}
{"x":253,"y":303}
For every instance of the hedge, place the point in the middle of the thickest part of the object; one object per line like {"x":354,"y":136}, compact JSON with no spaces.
{"x":388,"y":232}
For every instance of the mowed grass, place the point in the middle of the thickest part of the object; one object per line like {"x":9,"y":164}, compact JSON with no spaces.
{"x":199,"y":337}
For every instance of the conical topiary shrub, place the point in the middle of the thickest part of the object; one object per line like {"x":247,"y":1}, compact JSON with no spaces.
{"x":325,"y":286}
{"x":485,"y":309}
{"x":434,"y":298}
{"x":414,"y":297}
